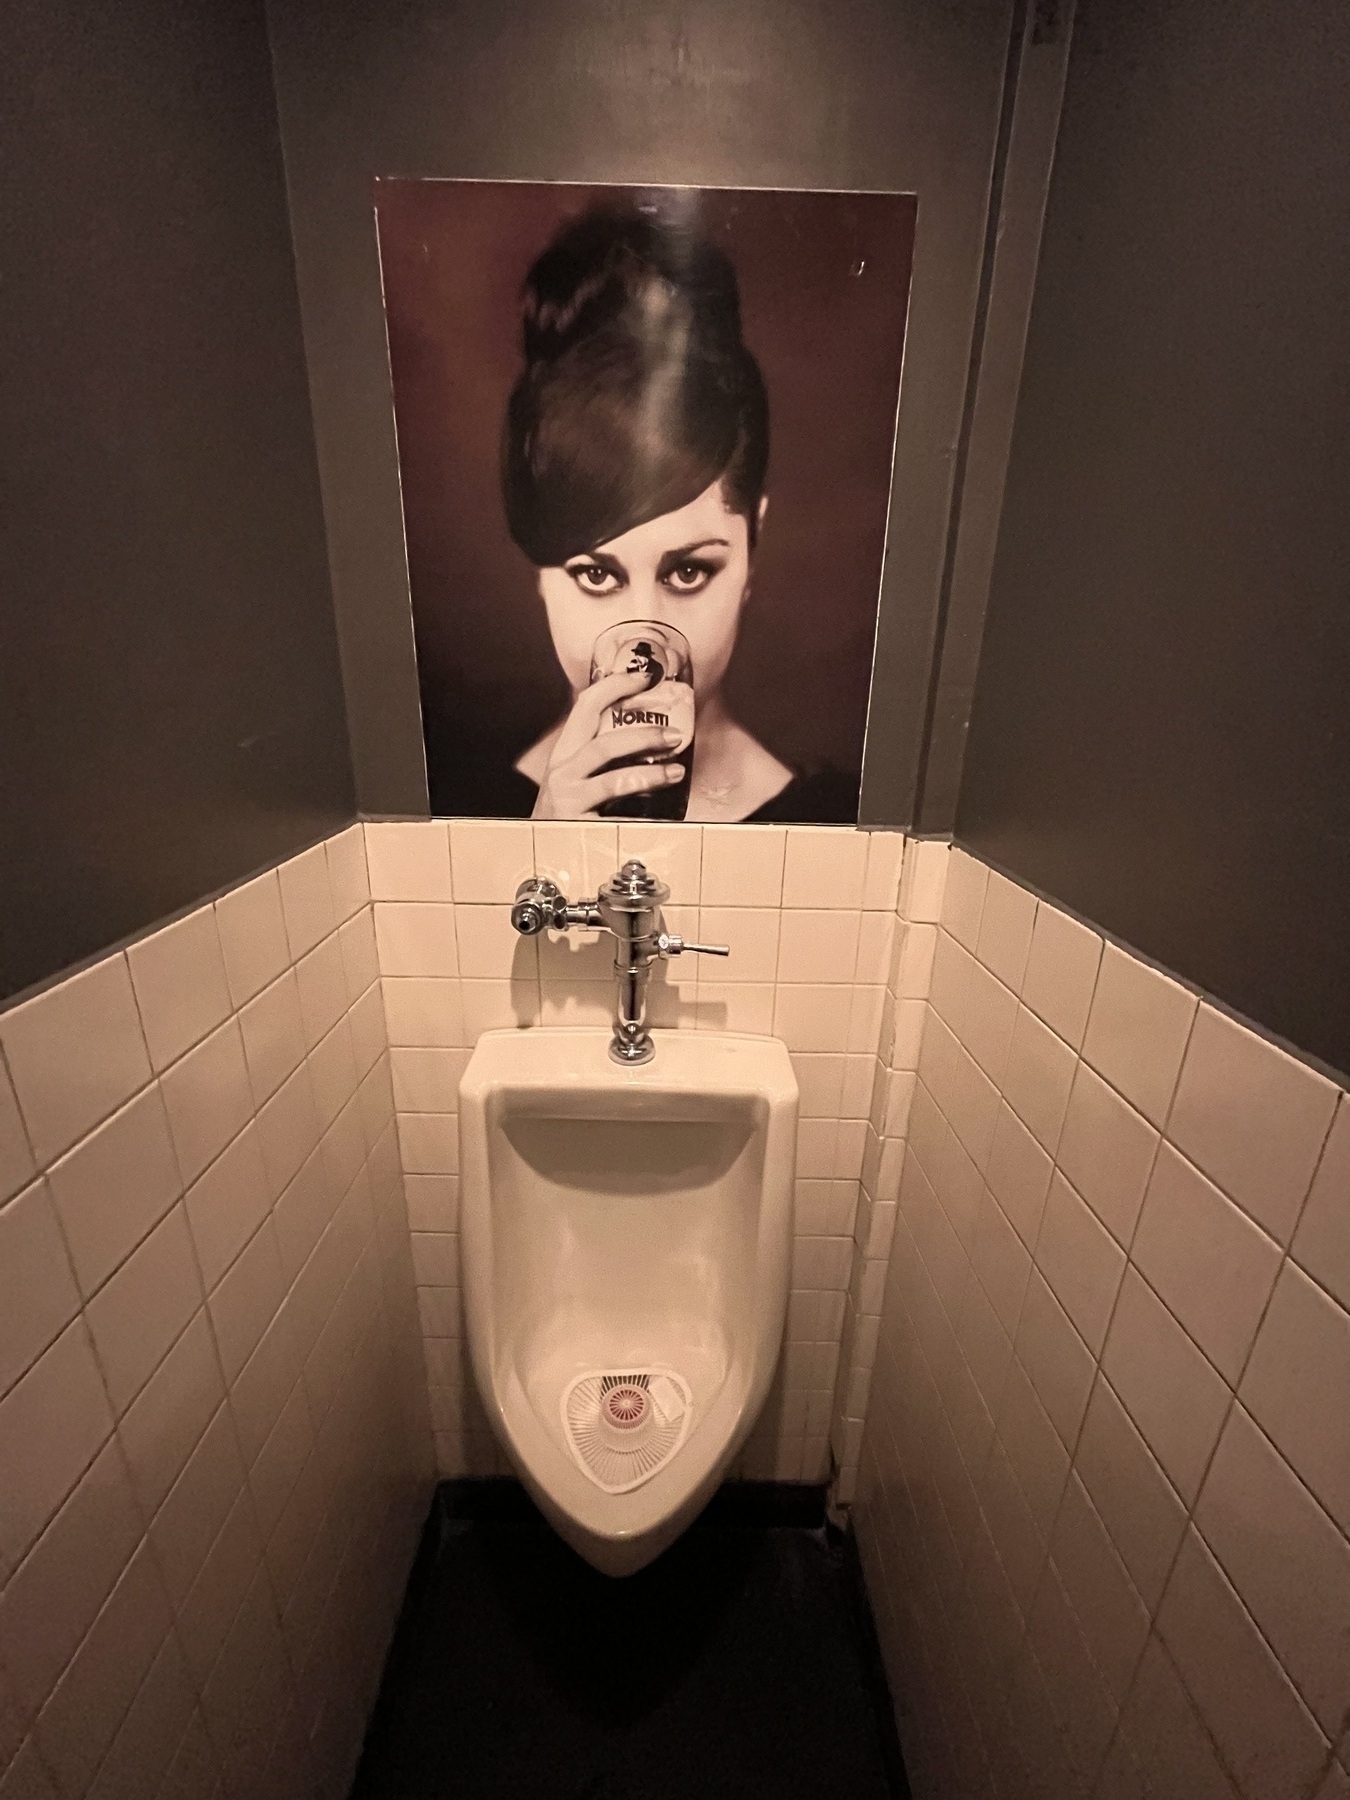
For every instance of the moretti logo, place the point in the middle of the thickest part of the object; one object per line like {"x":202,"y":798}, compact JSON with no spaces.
{"x":636,"y":715}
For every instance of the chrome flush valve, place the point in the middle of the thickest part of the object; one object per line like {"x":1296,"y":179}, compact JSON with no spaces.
{"x":629,"y":907}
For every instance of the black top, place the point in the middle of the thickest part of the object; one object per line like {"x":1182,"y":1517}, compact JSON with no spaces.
{"x":823,"y":795}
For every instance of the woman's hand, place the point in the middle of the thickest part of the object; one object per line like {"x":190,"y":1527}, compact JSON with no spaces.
{"x":571,"y":788}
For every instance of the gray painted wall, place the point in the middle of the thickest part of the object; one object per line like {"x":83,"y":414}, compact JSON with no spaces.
{"x":892,"y":94}
{"x":170,"y":699}
{"x":1161,"y":734}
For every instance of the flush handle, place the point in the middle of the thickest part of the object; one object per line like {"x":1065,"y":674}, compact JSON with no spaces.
{"x":668,"y":943}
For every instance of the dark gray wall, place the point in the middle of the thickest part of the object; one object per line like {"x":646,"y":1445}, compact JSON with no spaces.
{"x":890,"y":94}
{"x":1161,"y":736}
{"x":170,"y":699}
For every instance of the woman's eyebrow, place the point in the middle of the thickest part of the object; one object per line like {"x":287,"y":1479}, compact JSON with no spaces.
{"x":599,"y":559}
{"x":689,"y":549}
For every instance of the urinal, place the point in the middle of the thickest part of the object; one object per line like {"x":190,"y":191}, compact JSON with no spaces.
{"x":626,"y":1237}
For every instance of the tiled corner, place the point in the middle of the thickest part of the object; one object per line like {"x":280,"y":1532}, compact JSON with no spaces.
{"x":206,"y":1296}
{"x":1095,"y":1442}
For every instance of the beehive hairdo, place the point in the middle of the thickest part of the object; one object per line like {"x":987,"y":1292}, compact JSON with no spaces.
{"x":637,"y":392}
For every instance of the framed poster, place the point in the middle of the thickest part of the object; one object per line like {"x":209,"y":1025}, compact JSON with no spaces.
{"x":645,"y":440}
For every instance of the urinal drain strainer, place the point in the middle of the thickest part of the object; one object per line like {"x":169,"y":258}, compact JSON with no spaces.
{"x":622,"y":1425}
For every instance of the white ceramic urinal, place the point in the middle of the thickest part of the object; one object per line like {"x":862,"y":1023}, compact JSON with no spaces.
{"x":626,"y":1235}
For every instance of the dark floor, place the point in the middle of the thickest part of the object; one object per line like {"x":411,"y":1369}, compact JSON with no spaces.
{"x":740,"y":1666}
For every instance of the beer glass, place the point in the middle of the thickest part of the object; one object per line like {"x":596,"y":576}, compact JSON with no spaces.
{"x":661,"y":654}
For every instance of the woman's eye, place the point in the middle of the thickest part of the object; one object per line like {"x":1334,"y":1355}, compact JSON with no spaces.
{"x":688,"y":578}
{"x":593,"y":579}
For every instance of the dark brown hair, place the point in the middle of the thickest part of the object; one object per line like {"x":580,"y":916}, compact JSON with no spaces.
{"x":638,"y":391}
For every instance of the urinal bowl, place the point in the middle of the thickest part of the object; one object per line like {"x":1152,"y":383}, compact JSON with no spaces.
{"x":625,"y":1219}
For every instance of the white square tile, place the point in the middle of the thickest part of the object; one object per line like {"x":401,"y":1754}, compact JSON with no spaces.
{"x":179,"y":977}
{"x":1038,"y":1078}
{"x":1266,"y":1735}
{"x":813,"y":1018}
{"x":429,"y":1143}
{"x":423,"y":1011}
{"x":673,"y":1003}
{"x":75,"y":1053}
{"x":253,"y":940}
{"x":579,"y":857}
{"x":1106,"y":1149}
{"x":360,"y":954}
{"x":1113,"y":1618}
{"x":742,"y":865}
{"x":856,"y":1093}
{"x":751,"y":933}
{"x":490,"y":949}
{"x":963,"y":897}
{"x":1286,"y":1559}
{"x":369,"y":1036}
{"x":1162,"y":1728}
{"x":1175,"y":1397}
{"x":818,"y":946}
{"x":112,"y":1188}
{"x":1137,"y":1031}
{"x":273,"y":1031}
{"x":142,"y":1308}
{"x":38,"y":1296}
{"x":743,"y":1006}
{"x":80,"y":1720}
{"x":989,"y":1014}
{"x":673,"y":853}
{"x":909,"y":1022}
{"x":1000,"y":1261}
{"x":876,"y":945}
{"x":1006,"y":923}
{"x":914,"y":961}
{"x":1207,"y":1260}
{"x":227,"y":1205}
{"x":489,"y":858}
{"x":1055,"y":1357}
{"x":825,"y":866}
{"x":1252,"y":1118}
{"x":50,"y":1602}
{"x":208,"y":1099}
{"x":881,"y":885}
{"x":321,"y":981}
{"x":864,"y":1020}
{"x":288,"y":1129}
{"x":52,"y":1425}
{"x":820,"y":1081}
{"x":505,"y":1006}
{"x":1081,"y":1261}
{"x":347,"y":875}
{"x":1296,"y":1383}
{"x":1137,"y":1503}
{"x":332,"y":1073}
{"x":416,"y":939}
{"x":1061,"y":972}
{"x":409,"y":861}
{"x":1322,"y":1241}
{"x":815,"y":1147}
{"x":17,"y":1167}
{"x":306,"y":900}
{"x":427,"y":1080}
{"x":923,"y":880}
{"x":246,"y":1299}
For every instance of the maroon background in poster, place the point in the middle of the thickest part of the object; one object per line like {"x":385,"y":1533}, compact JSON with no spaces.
{"x":824,"y":281}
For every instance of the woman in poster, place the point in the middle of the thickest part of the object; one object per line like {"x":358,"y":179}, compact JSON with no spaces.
{"x":634,"y":461}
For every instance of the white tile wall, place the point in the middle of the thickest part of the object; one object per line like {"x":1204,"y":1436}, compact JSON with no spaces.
{"x":809,"y":914}
{"x":1104,"y":1488}
{"x":214,"y":1453}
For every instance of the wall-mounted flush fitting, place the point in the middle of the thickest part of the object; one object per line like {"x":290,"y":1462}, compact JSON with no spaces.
{"x":628,"y":906}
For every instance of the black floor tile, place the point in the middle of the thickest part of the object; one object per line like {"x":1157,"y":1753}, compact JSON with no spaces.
{"x":739,"y":1666}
